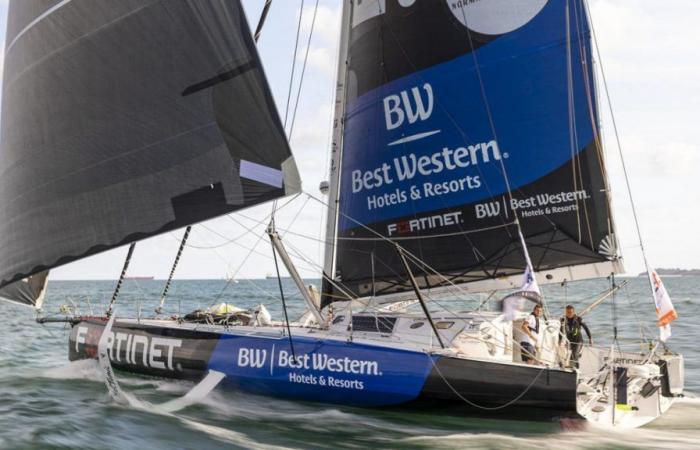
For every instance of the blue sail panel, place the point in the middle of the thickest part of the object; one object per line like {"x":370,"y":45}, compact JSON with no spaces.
{"x":444,"y":99}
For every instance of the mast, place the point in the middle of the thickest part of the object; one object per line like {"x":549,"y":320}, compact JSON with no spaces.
{"x":337,"y":148}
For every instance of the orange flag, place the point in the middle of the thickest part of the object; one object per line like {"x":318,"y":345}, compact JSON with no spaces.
{"x":665,"y":311}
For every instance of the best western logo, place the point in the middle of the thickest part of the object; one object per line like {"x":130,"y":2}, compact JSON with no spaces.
{"x":412,"y":105}
{"x":257,"y":358}
{"x":424,"y":223}
{"x":491,"y":209}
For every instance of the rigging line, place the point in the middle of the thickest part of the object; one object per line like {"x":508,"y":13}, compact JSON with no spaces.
{"x":450,"y":117}
{"x":597,"y":138}
{"x":619,"y":144}
{"x":294,"y":65}
{"x":262,"y":222}
{"x":233,"y":241}
{"x":230,"y":241}
{"x":291,"y":84}
{"x":417,"y":291}
{"x":453,"y":121}
{"x":229,"y":280}
{"x":449,"y":282}
{"x":588,"y":71}
{"x":296,"y":216}
{"x":252,"y":250}
{"x":643,"y":329}
{"x":340,"y":287}
{"x":487,"y":107}
{"x":361,"y":225}
{"x":284,"y":303}
{"x":489,"y":114}
{"x":172,"y":270}
{"x":264,"y":255}
{"x":407,"y":238}
{"x":381,"y":237}
{"x":573,"y":141}
{"x":121,"y":279}
{"x":303,"y":71}
{"x":349,"y":296}
{"x":587,"y":88}
{"x":262,"y":19}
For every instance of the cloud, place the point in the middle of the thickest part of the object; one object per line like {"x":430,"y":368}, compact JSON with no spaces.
{"x":326,"y":25}
{"x":323,"y":51}
{"x":323,"y":59}
{"x":651,"y":58}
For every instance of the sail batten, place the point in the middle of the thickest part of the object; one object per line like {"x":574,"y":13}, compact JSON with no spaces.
{"x":434,"y":121}
{"x":123,"y":120}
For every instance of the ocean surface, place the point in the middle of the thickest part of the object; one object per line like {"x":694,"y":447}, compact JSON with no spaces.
{"x":48,"y":403}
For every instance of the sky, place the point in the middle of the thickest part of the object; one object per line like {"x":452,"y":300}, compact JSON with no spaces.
{"x":651,"y":58}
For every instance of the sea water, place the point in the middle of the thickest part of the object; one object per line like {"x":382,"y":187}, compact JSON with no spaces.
{"x":48,"y":403}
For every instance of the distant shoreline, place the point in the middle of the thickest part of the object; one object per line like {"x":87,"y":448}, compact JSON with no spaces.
{"x":674,"y":272}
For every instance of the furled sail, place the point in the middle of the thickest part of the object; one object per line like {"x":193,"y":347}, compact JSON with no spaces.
{"x":29,"y":291}
{"x":444,"y":97}
{"x":125,"y":119}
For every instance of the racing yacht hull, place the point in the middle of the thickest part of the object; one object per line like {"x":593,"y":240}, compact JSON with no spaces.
{"x":330,"y":368}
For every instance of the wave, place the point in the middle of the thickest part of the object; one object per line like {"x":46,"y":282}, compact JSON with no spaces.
{"x":223,"y":415}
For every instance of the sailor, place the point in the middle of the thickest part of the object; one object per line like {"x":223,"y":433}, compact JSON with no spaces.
{"x":531,"y":334}
{"x":571,"y":326}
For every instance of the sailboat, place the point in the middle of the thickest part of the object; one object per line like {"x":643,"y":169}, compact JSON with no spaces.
{"x":466,"y":159}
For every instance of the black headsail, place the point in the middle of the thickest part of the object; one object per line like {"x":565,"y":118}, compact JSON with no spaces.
{"x":125,"y":119}
{"x":440,"y":98}
{"x":28,"y":291}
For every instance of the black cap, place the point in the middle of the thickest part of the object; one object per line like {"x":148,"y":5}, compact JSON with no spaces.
{"x":570,"y":307}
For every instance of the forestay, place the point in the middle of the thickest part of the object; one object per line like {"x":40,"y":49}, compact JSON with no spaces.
{"x":125,"y":119}
{"x":444,"y":97}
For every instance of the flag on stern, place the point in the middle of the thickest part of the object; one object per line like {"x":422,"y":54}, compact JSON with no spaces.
{"x":665,"y":311}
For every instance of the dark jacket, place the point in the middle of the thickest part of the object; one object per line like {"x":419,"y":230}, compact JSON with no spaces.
{"x":571,"y":328}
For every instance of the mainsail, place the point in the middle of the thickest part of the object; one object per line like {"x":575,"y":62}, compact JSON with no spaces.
{"x":125,"y":119}
{"x":459,"y":118}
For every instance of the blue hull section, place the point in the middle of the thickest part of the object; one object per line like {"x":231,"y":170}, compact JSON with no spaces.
{"x":324,"y":371}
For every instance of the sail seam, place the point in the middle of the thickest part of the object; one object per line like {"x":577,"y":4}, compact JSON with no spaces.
{"x":34,"y":22}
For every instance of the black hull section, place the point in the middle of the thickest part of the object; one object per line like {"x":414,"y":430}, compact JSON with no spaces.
{"x":412,"y":380}
{"x":190,"y":360}
{"x":500,"y":390}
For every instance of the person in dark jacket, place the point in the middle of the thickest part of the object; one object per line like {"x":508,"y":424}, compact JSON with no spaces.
{"x":571,"y":327}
